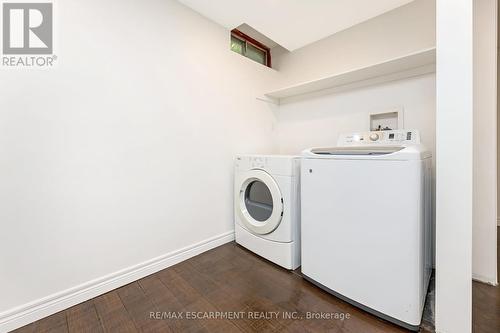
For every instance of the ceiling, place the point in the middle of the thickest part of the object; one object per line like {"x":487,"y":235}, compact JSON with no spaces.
{"x":293,"y":23}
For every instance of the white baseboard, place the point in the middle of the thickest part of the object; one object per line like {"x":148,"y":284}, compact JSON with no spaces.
{"x":47,"y":306}
{"x":484,"y":279}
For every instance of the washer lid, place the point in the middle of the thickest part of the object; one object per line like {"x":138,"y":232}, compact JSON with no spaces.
{"x":380,"y":145}
{"x":399,"y":153}
{"x":372,"y":150}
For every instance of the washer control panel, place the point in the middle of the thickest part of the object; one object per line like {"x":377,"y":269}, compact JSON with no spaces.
{"x":384,"y":138}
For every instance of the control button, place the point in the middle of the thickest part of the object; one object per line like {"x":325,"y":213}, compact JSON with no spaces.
{"x":408,"y":136}
{"x":374,"y":136}
{"x":391,"y":136}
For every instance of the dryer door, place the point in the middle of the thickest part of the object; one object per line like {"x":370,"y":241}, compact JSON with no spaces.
{"x":259,"y":203}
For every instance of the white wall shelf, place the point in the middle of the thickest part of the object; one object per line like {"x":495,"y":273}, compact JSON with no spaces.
{"x":410,"y":65}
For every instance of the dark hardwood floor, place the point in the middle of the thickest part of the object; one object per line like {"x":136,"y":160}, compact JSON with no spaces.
{"x":230,"y":278}
{"x":486,"y":303}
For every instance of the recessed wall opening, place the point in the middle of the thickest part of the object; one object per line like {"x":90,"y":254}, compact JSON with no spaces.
{"x":250,"y":48}
{"x":251,"y":44}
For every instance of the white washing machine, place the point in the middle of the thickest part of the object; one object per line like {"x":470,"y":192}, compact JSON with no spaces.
{"x":366,"y":222}
{"x":267,"y":207}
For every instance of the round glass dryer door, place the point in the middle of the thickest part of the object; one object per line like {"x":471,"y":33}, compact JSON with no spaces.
{"x":260,"y":202}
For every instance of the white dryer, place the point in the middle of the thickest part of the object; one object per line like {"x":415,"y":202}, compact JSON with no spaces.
{"x":366,"y":222}
{"x":267,"y":208}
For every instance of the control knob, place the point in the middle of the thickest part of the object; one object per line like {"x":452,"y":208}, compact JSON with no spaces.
{"x":374,"y":136}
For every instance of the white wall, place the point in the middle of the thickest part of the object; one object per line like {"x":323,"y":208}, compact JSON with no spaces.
{"x":498,"y":117}
{"x":124,"y":151}
{"x":484,"y":232}
{"x":317,"y":120}
{"x":402,"y":31}
{"x":454,"y":166}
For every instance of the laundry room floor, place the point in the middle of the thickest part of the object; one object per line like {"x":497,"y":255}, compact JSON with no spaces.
{"x":227,"y":278}
{"x":230,"y":278}
{"x":486,"y":303}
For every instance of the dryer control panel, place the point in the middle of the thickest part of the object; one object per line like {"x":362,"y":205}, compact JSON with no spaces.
{"x":385,"y":138}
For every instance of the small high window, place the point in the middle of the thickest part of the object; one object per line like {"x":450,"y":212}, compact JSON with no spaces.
{"x":250,"y":48}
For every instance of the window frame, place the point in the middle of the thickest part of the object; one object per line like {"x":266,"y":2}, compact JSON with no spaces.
{"x":249,"y":40}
